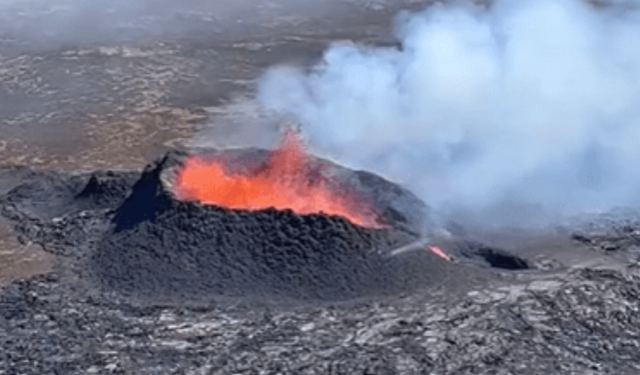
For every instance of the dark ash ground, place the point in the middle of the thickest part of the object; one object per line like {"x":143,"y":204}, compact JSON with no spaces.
{"x":115,"y":98}
{"x":183,"y":302}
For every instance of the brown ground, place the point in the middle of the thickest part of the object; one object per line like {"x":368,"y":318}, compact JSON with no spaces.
{"x":20,"y":260}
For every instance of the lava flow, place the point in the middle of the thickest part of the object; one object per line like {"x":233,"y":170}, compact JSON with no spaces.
{"x":287,"y":181}
{"x":439,"y":252}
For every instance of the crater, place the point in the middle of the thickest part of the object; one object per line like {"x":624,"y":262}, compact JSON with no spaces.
{"x":164,"y":247}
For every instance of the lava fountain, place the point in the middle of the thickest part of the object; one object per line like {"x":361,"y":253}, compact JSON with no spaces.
{"x":288,"y":180}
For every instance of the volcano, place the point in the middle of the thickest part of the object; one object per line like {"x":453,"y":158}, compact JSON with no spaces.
{"x":173,"y":239}
{"x":142,"y":234}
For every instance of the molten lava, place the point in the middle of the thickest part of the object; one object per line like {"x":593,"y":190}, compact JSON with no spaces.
{"x":287,"y":181}
{"x":439,"y":252}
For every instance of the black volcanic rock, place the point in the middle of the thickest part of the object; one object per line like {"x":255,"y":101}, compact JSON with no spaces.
{"x":472,"y":251}
{"x":105,"y":189}
{"x":148,"y":196}
{"x":466,"y":320}
{"x":163,"y":247}
{"x":48,"y":194}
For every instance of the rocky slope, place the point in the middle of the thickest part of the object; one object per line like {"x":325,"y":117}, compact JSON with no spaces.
{"x":574,"y":318}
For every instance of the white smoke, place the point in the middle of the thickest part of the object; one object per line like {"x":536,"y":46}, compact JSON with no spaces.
{"x":531,"y":103}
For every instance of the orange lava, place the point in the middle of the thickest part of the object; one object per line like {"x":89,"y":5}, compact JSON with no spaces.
{"x":285,"y":182}
{"x":439,"y":252}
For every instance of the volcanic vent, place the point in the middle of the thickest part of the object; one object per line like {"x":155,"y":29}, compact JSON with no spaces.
{"x":263,"y":224}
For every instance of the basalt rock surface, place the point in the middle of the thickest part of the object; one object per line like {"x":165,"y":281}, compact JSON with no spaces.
{"x":164,"y":247}
{"x":329,"y":298}
{"x":132,"y":236}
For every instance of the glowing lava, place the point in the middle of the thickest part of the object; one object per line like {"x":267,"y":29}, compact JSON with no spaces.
{"x":287,"y":181}
{"x":439,"y":252}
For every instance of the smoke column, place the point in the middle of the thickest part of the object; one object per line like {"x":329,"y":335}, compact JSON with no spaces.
{"x":526,"y":110}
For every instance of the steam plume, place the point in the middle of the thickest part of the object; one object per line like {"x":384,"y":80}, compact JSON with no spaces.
{"x":532,"y":103}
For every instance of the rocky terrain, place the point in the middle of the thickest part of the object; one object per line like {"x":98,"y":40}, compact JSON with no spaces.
{"x":583,"y":322}
{"x":464,"y":317}
{"x":87,"y":98}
